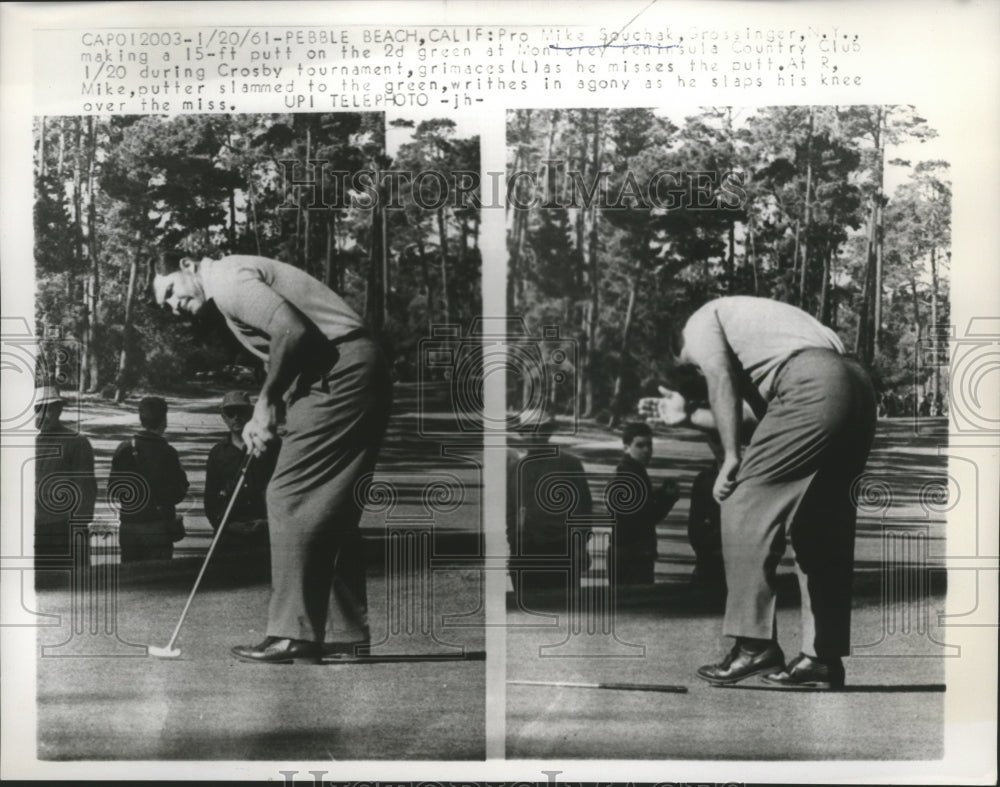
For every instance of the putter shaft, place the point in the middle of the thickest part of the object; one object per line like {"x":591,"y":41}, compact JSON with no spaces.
{"x":661,"y":687}
{"x":211,"y":548}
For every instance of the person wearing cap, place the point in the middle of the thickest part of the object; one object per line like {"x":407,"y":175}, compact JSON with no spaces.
{"x":146,"y":484}
{"x":247,"y":525}
{"x":64,"y":474}
{"x":816,"y":412}
{"x":329,"y":381}
{"x":547,"y":488}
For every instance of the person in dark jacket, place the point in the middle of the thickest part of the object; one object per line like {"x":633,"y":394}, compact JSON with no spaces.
{"x":547,"y":490}
{"x":247,"y":525}
{"x":146,"y":484}
{"x":64,"y":473}
{"x":632,"y":554}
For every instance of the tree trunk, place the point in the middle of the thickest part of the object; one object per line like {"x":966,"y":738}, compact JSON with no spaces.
{"x":252,"y":198}
{"x":807,"y":214}
{"x":824,"y":294}
{"x":550,"y":179}
{"x":443,"y":253}
{"x":386,"y":279}
{"x":94,"y":249}
{"x":594,"y":272}
{"x":519,"y":223}
{"x":731,"y":258}
{"x":425,"y":274}
{"x":864,"y":346}
{"x":374,"y":310}
{"x":62,"y":147}
{"x":795,"y":251}
{"x":877,"y":317}
{"x":232,"y":219}
{"x":40,"y":168}
{"x":513,"y":249}
{"x":328,"y":259}
{"x":305,"y":213}
{"x":936,"y":336}
{"x":752,"y":250}
{"x":879,"y":229}
{"x":121,"y":383}
{"x":86,"y":328}
{"x":624,"y":357}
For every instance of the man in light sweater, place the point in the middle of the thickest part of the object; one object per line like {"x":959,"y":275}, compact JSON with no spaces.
{"x":329,"y":383}
{"x":816,"y":409}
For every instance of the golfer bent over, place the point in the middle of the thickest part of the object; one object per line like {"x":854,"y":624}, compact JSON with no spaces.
{"x":793,"y":481}
{"x":332,"y":382}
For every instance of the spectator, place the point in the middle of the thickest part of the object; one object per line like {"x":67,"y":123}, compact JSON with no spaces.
{"x":538,"y":530}
{"x":146,"y":483}
{"x":64,"y":472}
{"x":632,"y":554}
{"x":941,"y":405}
{"x":705,"y":523}
{"x":247,"y":526}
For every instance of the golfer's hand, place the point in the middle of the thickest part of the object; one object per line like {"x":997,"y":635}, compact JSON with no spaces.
{"x":668,"y":408}
{"x":648,"y":408}
{"x":726,"y":482}
{"x":261,"y":429}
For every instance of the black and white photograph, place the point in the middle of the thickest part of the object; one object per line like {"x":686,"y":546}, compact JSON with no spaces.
{"x":247,"y":525}
{"x":713,"y":548}
{"x":436,"y":392}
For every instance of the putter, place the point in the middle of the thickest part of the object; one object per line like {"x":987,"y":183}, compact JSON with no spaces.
{"x":169,"y":651}
{"x":662,"y":687}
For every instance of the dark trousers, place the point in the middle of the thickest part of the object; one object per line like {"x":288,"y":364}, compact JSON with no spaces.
{"x":633,"y":564}
{"x":61,"y":544}
{"x":316,"y":497}
{"x":145,"y":541}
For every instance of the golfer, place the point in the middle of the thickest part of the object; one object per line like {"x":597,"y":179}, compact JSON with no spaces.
{"x":329,"y":383}
{"x":792,"y":482}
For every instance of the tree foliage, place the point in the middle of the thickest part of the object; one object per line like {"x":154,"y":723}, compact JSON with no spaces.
{"x":780,"y":202}
{"x":110,"y":193}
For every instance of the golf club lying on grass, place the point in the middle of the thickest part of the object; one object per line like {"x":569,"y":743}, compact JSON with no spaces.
{"x":399,"y":658}
{"x":169,"y":651}
{"x":664,"y":687}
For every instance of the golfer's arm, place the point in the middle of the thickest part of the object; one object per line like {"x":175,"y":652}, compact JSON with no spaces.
{"x":293,"y":338}
{"x":723,"y":394}
{"x":703,"y":419}
{"x":706,"y":346}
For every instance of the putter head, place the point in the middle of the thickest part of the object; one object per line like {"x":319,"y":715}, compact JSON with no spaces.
{"x":163,"y":653}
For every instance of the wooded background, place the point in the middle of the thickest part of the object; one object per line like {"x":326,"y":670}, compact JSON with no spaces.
{"x":112,"y":192}
{"x":816,"y":229}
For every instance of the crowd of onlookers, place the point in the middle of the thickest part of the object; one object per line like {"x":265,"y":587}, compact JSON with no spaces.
{"x":146,"y":484}
{"x":893,"y":405}
{"x":550,"y":506}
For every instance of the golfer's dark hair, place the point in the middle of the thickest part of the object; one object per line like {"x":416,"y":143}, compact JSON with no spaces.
{"x":635,"y":429}
{"x":168,"y":262}
{"x":688,"y":381}
{"x":152,"y":411}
